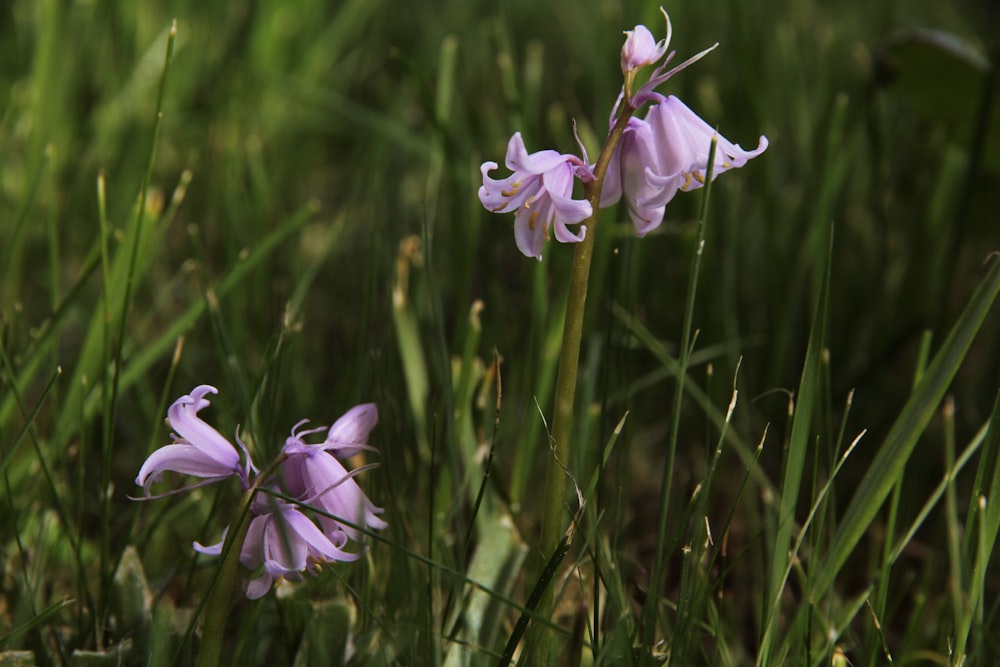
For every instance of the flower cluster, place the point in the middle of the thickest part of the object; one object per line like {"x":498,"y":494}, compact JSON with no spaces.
{"x":654,"y":158}
{"x":302,"y":516}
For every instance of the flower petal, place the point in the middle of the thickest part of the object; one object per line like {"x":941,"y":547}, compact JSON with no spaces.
{"x":258,"y":588}
{"x":317,"y":542}
{"x":183,"y":418}
{"x":212,"y":549}
{"x":531,"y":226}
{"x":182,"y":458}
{"x":349,"y":434}
{"x":252,"y":552}
{"x":519,"y":160}
{"x":284,"y":553}
{"x":508,"y":194}
{"x":566,"y":210}
{"x":329,"y":487}
{"x":569,"y":212}
{"x":641,"y":165}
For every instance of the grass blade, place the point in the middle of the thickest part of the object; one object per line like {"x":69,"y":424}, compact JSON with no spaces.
{"x":891,"y":459}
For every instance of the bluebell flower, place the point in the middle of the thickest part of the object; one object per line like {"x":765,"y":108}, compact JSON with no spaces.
{"x":286,"y":542}
{"x":303,"y":516}
{"x":541,"y":191}
{"x":198,"y":449}
{"x":282,"y":543}
{"x":313,"y":474}
{"x":665,"y":153}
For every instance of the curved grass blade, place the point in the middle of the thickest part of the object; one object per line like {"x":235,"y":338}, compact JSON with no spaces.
{"x":42,"y":617}
{"x":907,"y":429}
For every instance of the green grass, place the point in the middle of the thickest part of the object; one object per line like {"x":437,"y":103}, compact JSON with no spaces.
{"x":288,"y":211}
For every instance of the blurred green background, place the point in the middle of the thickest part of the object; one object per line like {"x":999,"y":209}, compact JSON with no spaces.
{"x":310,"y":139}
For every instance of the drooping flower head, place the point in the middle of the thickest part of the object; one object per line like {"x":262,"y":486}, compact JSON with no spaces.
{"x":541,"y":191}
{"x":666,"y":152}
{"x":198,"y":449}
{"x":689,"y":138}
{"x":283,"y":540}
{"x":286,"y":542}
{"x":311,"y":473}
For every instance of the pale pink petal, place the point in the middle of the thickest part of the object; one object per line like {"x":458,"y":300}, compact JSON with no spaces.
{"x":530,"y":227}
{"x":183,"y":459}
{"x":183,"y":418}
{"x":349,"y":434}
{"x":519,"y":160}
{"x":641,"y":48}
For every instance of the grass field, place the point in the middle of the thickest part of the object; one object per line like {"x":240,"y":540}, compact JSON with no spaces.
{"x":279,"y":199}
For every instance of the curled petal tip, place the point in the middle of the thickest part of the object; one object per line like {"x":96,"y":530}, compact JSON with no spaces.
{"x":198,"y":449}
{"x":540,"y":190}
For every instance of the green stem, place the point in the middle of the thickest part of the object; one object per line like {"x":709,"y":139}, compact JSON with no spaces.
{"x":554,"y":517}
{"x":221,"y":593}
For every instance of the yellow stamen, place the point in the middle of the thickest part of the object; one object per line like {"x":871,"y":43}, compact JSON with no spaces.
{"x":514,"y":187}
{"x":531,"y":220}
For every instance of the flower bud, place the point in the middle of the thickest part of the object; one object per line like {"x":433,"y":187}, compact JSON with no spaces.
{"x":640,"y":49}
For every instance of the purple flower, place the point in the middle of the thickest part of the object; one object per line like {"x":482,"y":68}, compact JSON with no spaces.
{"x":541,"y":190}
{"x":283,"y":538}
{"x":641,"y":49}
{"x":636,"y":153}
{"x":198,"y":449}
{"x":282,"y":541}
{"x":286,"y":543}
{"x":666,"y":152}
{"x":313,"y":475}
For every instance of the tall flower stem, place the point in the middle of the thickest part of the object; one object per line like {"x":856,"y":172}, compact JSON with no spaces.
{"x":221,"y":593}
{"x":553,"y":519}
